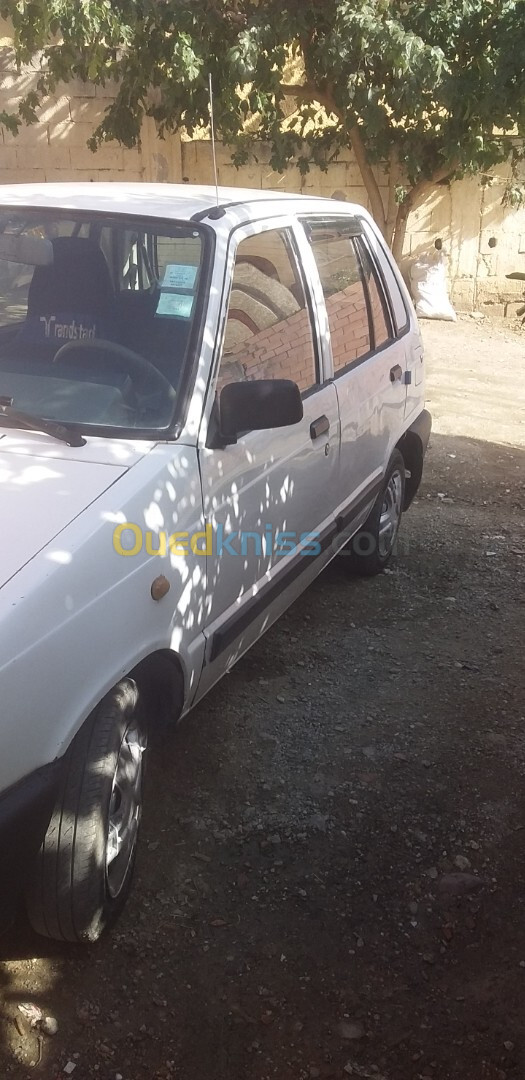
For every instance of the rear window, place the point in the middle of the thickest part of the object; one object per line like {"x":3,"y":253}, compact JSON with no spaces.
{"x":396,"y":297}
{"x":334,"y":249}
{"x":379,"y":312}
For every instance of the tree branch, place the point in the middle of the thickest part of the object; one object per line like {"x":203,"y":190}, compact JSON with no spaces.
{"x":309,"y":92}
{"x":369,"y":180}
{"x":424,"y":186}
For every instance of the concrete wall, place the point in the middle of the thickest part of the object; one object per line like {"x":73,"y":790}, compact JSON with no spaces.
{"x":465,"y":216}
{"x":56,"y":148}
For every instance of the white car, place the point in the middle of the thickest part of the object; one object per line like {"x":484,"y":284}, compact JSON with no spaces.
{"x":204,"y":398}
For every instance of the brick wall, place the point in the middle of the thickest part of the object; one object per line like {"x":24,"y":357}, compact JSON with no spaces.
{"x":285,"y":350}
{"x":282,"y":351}
{"x":348,"y":322}
{"x":381,"y":333}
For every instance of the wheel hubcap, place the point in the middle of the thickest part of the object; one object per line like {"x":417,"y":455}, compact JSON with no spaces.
{"x":390,"y":514}
{"x":124,"y":809}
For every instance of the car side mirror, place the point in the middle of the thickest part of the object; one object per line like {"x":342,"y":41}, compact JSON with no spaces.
{"x":256,"y":406}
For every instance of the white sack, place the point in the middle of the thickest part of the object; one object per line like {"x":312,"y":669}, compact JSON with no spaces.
{"x":428,"y":285}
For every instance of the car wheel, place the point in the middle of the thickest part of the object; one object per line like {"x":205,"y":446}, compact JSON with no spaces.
{"x":370,"y":550}
{"x":83,"y":871}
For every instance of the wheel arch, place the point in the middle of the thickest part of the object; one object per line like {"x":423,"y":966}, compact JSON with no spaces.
{"x":411,"y":448}
{"x":162,"y":684}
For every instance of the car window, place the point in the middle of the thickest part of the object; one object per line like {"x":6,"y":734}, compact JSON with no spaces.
{"x":382,"y":329}
{"x":343,"y":287}
{"x":268,"y":333}
{"x":391,"y":282}
{"x":123,"y":294}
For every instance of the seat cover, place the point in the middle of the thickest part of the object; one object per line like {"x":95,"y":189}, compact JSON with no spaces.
{"x":71,"y":299}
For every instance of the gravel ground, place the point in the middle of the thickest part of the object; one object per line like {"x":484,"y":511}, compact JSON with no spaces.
{"x":331,"y":881}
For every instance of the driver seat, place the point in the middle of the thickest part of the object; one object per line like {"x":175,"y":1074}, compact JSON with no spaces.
{"x":71,"y":299}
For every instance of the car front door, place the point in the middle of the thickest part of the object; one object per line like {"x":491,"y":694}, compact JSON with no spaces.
{"x":264,"y":496}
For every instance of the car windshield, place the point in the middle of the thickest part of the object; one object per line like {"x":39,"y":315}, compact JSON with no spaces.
{"x":98,"y":318}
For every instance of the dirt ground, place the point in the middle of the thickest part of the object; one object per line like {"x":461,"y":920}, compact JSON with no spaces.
{"x":331,"y":881}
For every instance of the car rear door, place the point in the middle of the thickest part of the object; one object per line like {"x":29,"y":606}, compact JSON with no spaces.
{"x":368,"y":361}
{"x":404,"y":321}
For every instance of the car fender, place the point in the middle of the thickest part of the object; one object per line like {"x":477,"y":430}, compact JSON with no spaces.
{"x":80,"y":615}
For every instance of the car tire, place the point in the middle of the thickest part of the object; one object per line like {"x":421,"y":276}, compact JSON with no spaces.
{"x":370,"y":550}
{"x":82,"y":875}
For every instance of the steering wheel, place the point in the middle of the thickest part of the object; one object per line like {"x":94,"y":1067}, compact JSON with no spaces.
{"x":137,"y":367}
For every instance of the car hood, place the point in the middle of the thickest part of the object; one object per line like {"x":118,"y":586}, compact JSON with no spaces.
{"x":41,"y":493}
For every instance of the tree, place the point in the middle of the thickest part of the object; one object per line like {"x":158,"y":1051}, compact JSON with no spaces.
{"x":433,"y":90}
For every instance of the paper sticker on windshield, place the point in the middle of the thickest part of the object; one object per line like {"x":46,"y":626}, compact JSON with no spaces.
{"x":175,"y":304}
{"x":179,"y":276}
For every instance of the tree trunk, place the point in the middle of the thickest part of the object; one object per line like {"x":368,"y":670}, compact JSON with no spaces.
{"x":416,"y":195}
{"x":392,"y":220}
{"x":400,"y":228}
{"x":394,"y":173}
{"x":368,"y":178}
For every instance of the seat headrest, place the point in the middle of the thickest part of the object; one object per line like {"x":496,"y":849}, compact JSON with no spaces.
{"x":73,"y":297}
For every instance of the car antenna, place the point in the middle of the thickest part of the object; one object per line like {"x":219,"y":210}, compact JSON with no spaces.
{"x":213,"y":150}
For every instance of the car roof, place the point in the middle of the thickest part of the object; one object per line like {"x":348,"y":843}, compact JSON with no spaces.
{"x":177,"y":201}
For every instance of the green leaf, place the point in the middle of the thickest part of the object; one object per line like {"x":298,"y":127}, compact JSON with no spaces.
{"x":434,"y":83}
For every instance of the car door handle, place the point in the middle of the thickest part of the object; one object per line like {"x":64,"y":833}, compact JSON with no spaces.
{"x":318,"y":427}
{"x":396,"y":373}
